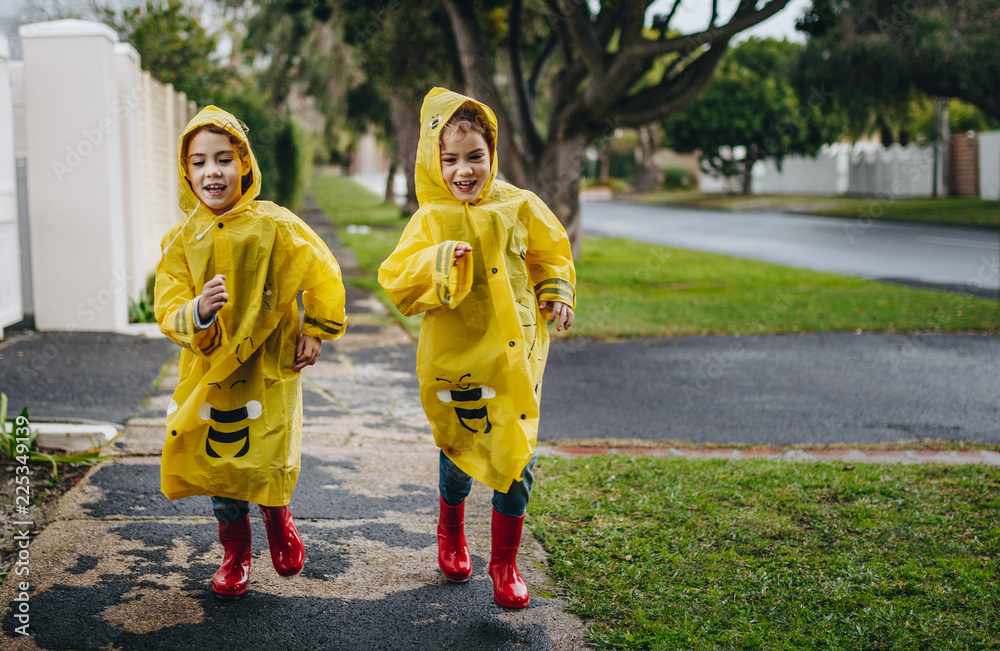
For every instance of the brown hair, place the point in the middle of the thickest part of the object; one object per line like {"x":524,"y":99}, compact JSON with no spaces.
{"x":241,"y":147}
{"x":469,"y":117}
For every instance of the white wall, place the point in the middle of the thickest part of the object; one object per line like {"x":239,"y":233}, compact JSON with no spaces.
{"x":10,"y":245}
{"x":74,"y":169}
{"x":989,"y":165}
{"x":827,"y":173}
{"x":93,"y":158}
{"x":867,"y":169}
{"x":129,"y":90}
{"x":893,"y":171}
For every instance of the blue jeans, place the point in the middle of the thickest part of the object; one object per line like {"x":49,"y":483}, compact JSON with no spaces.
{"x":229,"y":510}
{"x":455,"y":485}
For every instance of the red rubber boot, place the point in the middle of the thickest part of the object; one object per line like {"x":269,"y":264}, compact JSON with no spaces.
{"x":230,"y":580}
{"x":509,"y":589}
{"x":453,"y":552}
{"x":287,"y":552}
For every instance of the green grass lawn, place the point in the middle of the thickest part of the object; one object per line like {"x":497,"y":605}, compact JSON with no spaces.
{"x":631,"y":289}
{"x":951,"y":211}
{"x":685,"y":554}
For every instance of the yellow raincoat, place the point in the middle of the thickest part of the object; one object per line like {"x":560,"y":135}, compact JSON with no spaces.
{"x":234,"y":424}
{"x":483,"y":341}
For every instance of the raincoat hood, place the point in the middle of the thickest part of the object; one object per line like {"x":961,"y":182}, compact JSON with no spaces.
{"x":438,"y":107}
{"x":249,"y":174}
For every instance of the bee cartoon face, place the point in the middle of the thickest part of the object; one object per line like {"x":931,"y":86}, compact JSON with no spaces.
{"x":436,"y":120}
{"x":229,"y":429}
{"x":267,"y":296}
{"x":473,"y":403}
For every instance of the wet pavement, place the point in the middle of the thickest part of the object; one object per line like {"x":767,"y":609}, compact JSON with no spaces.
{"x":964,"y":260}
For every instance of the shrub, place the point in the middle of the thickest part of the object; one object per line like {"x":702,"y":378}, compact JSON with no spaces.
{"x":677,"y":178}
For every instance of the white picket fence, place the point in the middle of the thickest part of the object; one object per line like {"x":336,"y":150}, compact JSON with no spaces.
{"x":88,"y":169}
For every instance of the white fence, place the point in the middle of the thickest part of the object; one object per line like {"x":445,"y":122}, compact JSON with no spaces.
{"x":94,"y":145}
{"x":866,"y":169}
{"x":989,"y":165}
{"x":11,"y":306}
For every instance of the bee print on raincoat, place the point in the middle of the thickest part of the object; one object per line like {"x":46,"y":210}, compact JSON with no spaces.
{"x":234,"y":424}
{"x":482,"y":328}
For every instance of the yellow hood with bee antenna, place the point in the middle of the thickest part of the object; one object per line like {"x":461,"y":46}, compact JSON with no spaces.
{"x":438,"y":107}
{"x":249,"y":173}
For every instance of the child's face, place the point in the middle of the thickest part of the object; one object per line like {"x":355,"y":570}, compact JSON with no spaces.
{"x":465,"y":164}
{"x":213,"y":165}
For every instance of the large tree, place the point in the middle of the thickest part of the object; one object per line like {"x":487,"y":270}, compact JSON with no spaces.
{"x":751,"y":105}
{"x":565,"y":72}
{"x":172,"y":44}
{"x":403,"y":50}
{"x":876,"y":52}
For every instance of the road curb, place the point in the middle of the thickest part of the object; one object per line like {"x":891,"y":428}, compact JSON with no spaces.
{"x":846,"y":455}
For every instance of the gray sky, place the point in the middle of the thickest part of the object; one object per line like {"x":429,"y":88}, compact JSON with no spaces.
{"x":693,"y":15}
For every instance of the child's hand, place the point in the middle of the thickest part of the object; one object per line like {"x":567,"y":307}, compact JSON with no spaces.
{"x":307,"y":352}
{"x":213,"y":297}
{"x":562,"y":314}
{"x":461,"y":249}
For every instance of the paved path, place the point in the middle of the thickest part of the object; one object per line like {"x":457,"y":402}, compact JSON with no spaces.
{"x":780,"y":390}
{"x":959,"y":259}
{"x":119,"y":566}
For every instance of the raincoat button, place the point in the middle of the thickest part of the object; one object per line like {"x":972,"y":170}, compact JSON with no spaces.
{"x":220,"y":224}
{"x":523,"y":417}
{"x":494,"y":269}
{"x":511,"y":344}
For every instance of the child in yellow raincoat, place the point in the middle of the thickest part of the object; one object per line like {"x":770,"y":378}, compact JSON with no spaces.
{"x":487,"y":263}
{"x":226,"y":290}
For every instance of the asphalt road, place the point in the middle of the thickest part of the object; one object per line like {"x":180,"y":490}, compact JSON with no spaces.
{"x":817,"y":388}
{"x":958,"y":259}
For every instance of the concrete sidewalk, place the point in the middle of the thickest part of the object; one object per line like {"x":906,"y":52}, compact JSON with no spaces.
{"x":119,"y":566}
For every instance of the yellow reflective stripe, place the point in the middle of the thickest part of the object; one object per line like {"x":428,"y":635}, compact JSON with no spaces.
{"x":446,"y":252}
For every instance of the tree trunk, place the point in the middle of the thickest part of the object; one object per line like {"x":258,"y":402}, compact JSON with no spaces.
{"x":747,"y":176}
{"x":555,"y":178}
{"x":649,"y":174}
{"x":604,"y":163}
{"x":405,"y":118}
{"x":390,"y":179}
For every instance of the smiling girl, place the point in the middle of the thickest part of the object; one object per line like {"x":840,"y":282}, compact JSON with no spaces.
{"x":487,"y":263}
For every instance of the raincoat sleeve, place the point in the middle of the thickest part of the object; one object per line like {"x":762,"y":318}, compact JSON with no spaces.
{"x":549,"y":258}
{"x":174,"y":306}
{"x":324,"y":294}
{"x":420,"y":274}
